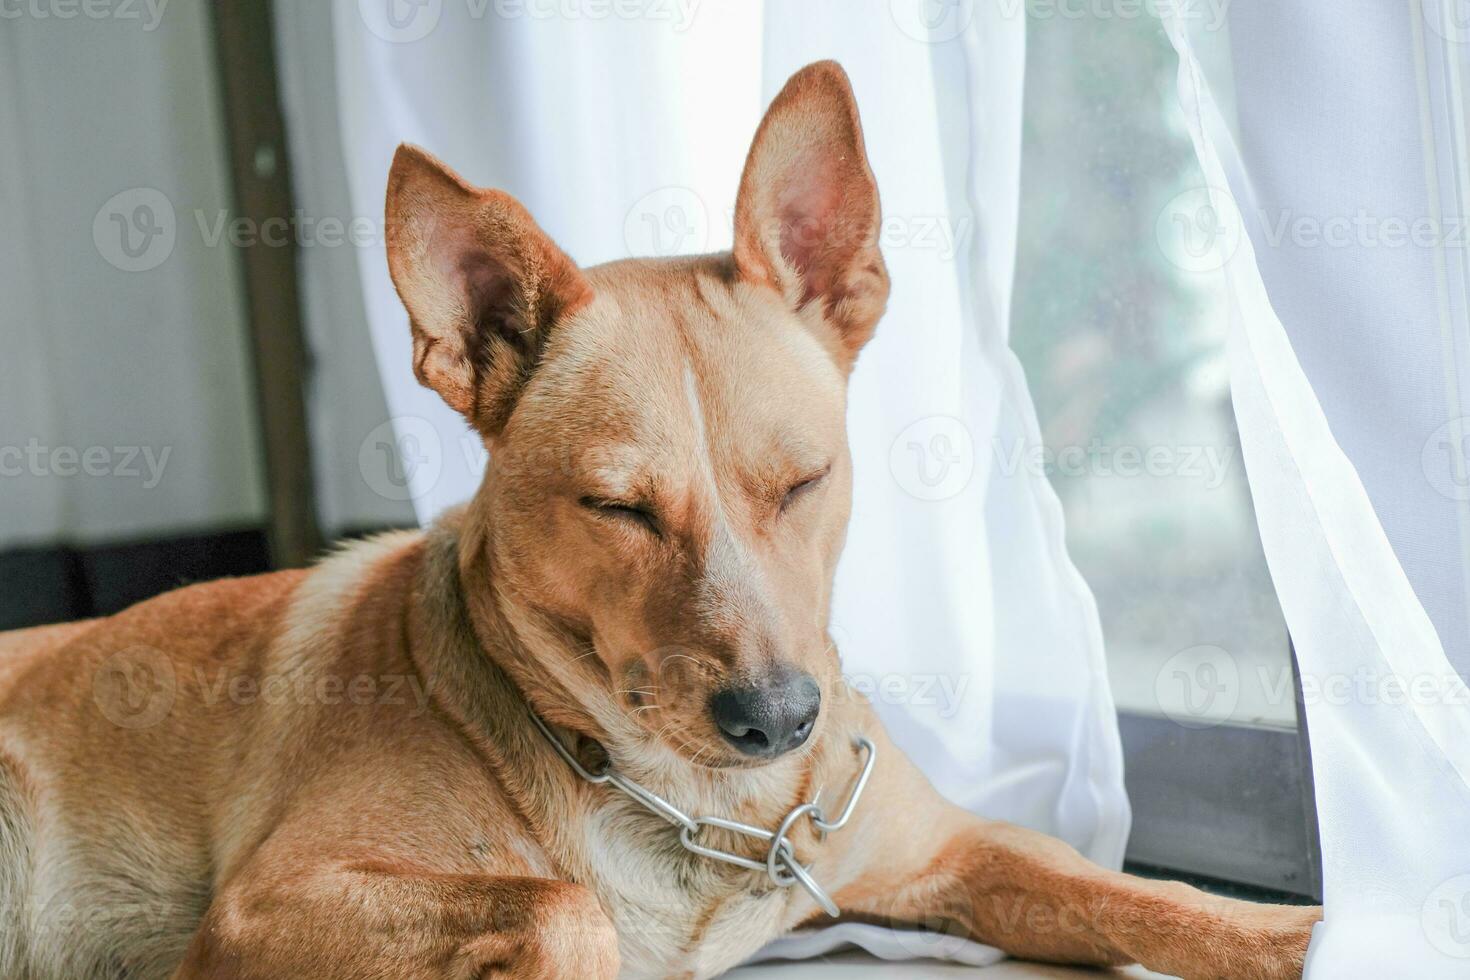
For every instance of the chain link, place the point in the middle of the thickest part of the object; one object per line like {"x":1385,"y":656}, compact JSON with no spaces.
{"x":780,"y":864}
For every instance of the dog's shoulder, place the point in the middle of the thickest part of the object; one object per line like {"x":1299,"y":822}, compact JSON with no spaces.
{"x":347,"y":601}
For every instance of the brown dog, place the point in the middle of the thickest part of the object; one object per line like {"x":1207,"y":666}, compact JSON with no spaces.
{"x":336,"y":772}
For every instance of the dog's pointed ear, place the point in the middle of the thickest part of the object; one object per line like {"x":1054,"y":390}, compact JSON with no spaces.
{"x":807,"y":216}
{"x":481,"y":282}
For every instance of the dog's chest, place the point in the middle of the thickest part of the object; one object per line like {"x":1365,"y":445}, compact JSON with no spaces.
{"x":677,"y":914}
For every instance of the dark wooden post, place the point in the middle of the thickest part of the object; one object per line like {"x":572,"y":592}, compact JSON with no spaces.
{"x":256,"y":133}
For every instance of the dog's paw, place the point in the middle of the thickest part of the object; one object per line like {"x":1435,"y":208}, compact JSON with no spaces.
{"x":1265,"y":942}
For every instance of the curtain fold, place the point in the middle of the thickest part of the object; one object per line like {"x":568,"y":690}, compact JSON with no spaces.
{"x":1338,"y":407}
{"x":956,"y":607}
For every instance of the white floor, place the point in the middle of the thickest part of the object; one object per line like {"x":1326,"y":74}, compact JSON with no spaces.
{"x":859,"y":966}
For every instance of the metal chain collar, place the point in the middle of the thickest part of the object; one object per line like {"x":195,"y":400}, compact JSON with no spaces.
{"x":780,"y":864}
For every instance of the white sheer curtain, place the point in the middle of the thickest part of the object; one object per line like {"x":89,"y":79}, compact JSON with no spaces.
{"x":957,"y":607}
{"x":1340,"y":194}
{"x":1350,"y":349}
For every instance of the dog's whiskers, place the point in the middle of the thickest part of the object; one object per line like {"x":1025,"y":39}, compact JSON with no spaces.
{"x":591,"y":651}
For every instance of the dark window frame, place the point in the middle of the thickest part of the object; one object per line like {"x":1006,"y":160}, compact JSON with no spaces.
{"x":1232,"y":803}
{"x":255,"y":134}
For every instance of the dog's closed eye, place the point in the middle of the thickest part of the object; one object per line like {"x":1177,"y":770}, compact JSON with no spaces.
{"x":802,"y":487}
{"x":618,"y":510}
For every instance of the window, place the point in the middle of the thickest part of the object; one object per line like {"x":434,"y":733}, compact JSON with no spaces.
{"x":1122,"y":335}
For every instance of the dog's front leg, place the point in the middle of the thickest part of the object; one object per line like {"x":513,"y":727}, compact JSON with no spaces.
{"x":369,"y":920}
{"x":1037,"y":898}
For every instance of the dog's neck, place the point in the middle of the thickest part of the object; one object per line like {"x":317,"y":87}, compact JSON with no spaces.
{"x":554,"y":669}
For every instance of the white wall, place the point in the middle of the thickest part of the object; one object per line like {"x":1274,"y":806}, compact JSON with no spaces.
{"x":101,"y":369}
{"x":149,"y":370}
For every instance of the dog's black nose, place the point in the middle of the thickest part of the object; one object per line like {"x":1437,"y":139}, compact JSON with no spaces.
{"x":770,"y":718}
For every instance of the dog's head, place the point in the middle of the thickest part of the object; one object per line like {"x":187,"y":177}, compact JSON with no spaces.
{"x":669,"y":477}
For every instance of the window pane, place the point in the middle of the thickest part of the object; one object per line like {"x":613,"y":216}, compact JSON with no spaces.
{"x":1122,"y":334}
